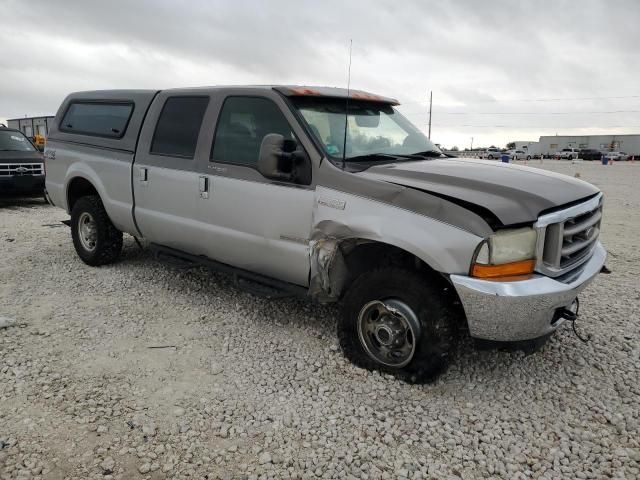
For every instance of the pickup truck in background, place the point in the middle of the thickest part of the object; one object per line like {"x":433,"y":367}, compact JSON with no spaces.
{"x":256,"y":181}
{"x":21,"y":164}
{"x":568,"y":154}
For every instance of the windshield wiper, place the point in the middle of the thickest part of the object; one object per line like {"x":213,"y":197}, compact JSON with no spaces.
{"x":395,"y":156}
{"x":425,"y":154}
{"x":374,"y":156}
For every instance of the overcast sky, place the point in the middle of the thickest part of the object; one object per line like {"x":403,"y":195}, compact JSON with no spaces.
{"x":496,"y":67}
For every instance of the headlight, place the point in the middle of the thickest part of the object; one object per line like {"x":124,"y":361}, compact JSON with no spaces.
{"x":507,"y":253}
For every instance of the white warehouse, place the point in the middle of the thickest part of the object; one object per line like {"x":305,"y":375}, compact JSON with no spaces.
{"x":629,"y":144}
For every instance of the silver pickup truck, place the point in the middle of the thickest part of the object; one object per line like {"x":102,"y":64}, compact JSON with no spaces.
{"x":335,"y":196}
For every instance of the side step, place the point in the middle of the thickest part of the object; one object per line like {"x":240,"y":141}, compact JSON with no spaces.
{"x":251,"y":282}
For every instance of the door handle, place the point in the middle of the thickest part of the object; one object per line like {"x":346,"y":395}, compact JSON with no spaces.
{"x":144,"y":174}
{"x":203,"y":185}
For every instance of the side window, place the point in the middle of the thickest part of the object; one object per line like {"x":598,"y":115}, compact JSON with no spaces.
{"x":178,"y":126}
{"x":102,"y":119}
{"x":242,"y":124}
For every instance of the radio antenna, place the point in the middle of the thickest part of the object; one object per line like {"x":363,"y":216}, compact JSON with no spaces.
{"x":346,"y":110}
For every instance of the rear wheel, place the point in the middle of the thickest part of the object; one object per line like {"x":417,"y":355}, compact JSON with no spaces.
{"x":95,"y":238}
{"x":394,"y":320}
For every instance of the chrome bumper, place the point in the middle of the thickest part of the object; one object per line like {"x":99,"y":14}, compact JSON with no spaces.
{"x":522,"y":310}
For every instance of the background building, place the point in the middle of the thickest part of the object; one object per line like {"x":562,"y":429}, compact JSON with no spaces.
{"x":629,"y":144}
{"x":31,"y":126}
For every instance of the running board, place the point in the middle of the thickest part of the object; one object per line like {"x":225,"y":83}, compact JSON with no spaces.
{"x":251,"y":282}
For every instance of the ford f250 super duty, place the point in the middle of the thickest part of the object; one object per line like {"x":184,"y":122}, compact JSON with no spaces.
{"x":334,"y":195}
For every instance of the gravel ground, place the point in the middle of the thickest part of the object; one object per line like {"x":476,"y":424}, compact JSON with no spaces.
{"x":137,"y":370}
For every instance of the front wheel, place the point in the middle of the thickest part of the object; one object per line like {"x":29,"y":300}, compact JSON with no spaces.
{"x":396,"y":321}
{"x":96,"y":240}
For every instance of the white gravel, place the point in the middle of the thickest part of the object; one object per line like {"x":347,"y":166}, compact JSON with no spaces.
{"x":250,"y":388}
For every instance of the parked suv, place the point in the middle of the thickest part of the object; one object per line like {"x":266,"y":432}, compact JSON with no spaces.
{"x":265,"y":183}
{"x":21,"y":164}
{"x":590,"y":154}
{"x":491,"y":154}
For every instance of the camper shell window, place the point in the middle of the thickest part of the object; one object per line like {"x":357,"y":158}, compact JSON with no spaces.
{"x":100,"y":119}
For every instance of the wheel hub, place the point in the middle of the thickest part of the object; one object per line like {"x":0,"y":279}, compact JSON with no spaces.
{"x":388,"y":330}
{"x":87,"y":231}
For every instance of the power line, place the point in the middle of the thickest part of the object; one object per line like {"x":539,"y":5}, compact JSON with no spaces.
{"x":565,"y":127}
{"x":496,"y":100}
{"x":526,"y":113}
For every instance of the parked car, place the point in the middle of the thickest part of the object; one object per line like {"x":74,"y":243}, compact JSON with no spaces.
{"x":491,"y":154}
{"x":568,"y":154}
{"x":21,"y":164}
{"x":590,"y":154}
{"x":518,"y":155}
{"x":617,"y":156}
{"x":256,"y":181}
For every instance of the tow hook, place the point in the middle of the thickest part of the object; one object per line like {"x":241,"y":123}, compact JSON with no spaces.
{"x":571,"y":313}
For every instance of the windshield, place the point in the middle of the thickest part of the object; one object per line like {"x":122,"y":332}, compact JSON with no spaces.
{"x":11,"y":141}
{"x":372,"y":129}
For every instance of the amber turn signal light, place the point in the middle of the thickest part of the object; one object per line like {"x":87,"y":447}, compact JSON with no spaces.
{"x":523,"y":267}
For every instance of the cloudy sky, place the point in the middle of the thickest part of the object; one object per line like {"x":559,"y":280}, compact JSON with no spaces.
{"x":499,"y":70}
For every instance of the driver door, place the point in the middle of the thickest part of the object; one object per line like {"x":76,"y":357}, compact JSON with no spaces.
{"x":252,"y":222}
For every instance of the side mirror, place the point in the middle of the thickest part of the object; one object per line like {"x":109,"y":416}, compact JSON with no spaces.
{"x":280,"y":160}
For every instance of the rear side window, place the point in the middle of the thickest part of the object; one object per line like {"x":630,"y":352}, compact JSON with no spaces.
{"x":178,"y":127}
{"x":102,"y":119}
{"x":243,"y":123}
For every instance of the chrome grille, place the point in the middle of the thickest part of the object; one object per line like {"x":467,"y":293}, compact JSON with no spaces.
{"x":19,"y":169}
{"x":566,"y":238}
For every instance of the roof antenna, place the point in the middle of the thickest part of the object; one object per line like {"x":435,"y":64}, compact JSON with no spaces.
{"x":346,"y":111}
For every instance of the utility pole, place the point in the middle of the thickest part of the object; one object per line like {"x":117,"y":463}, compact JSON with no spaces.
{"x":471,"y":144}
{"x":430,"y":109}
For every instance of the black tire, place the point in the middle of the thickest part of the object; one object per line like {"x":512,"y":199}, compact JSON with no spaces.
{"x":433,"y":309}
{"x":108,"y":239}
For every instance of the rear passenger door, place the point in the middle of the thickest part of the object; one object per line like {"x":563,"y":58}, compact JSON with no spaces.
{"x":165,"y":179}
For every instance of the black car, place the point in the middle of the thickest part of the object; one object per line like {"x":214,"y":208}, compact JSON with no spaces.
{"x":590,"y":154}
{"x":21,"y":164}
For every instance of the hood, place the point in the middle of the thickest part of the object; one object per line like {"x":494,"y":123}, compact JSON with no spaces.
{"x":514,"y":194}
{"x":21,"y":157}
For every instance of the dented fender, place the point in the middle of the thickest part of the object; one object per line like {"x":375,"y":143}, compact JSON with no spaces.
{"x":340,"y":217}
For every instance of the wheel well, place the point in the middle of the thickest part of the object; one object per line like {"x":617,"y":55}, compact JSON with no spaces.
{"x":79,"y":187}
{"x":362,"y":255}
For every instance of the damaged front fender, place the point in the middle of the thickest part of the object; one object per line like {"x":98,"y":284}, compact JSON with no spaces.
{"x":343,"y":221}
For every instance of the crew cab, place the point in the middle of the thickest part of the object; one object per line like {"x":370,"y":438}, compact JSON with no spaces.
{"x":21,"y":164}
{"x":335,"y":196}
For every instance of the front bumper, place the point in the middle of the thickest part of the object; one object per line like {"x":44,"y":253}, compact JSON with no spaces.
{"x":522,"y":310}
{"x":22,"y":184}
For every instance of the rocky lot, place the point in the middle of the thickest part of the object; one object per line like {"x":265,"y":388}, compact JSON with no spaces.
{"x":138,"y":370}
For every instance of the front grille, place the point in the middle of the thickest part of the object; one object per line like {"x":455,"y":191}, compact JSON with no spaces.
{"x":567,"y":237}
{"x":19,"y":169}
